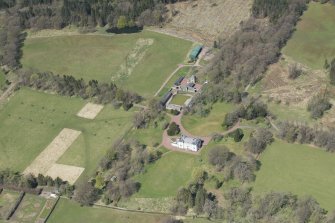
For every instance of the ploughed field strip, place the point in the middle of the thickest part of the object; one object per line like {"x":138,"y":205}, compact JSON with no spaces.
{"x":45,"y":161}
{"x":90,"y":111}
{"x":67,"y":172}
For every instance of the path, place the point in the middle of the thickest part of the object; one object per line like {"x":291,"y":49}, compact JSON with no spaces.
{"x":168,"y":79}
{"x":9,"y":90}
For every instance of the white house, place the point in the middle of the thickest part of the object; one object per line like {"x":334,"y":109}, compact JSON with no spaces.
{"x":188,"y":143}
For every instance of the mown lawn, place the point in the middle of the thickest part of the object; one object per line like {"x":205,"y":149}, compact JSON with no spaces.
{"x":314,"y":40}
{"x":100,"y":57}
{"x":300,"y":169}
{"x":167,"y":175}
{"x":212,"y":123}
{"x":31,"y":120}
{"x":179,"y":99}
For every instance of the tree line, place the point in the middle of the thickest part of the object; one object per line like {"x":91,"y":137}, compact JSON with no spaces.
{"x":31,"y":184}
{"x":102,"y":93}
{"x":113,"y":180}
{"x":298,"y":133}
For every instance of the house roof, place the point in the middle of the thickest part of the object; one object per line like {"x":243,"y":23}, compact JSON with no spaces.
{"x":190,"y":140}
{"x":178,"y":82}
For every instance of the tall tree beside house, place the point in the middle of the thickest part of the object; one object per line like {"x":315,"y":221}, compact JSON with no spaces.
{"x":332,"y":72}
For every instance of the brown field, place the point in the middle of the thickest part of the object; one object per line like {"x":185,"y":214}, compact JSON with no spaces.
{"x":53,"y":152}
{"x":66,"y":172}
{"x":207,"y":19}
{"x":90,"y":111}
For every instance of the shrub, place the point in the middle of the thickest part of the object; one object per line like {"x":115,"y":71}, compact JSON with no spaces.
{"x":173,"y":129}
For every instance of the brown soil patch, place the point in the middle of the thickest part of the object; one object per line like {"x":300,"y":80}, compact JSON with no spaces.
{"x":90,"y":111}
{"x":276,"y":84}
{"x":48,"y":157}
{"x":209,"y":18}
{"x":65,"y":172}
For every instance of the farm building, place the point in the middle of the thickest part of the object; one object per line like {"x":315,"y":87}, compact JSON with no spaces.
{"x":192,"y":79}
{"x":166,"y":98}
{"x":188,"y":143}
{"x":178,"y":82}
{"x":195,"y":52}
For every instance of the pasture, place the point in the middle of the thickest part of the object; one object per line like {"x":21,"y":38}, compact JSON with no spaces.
{"x":29,"y":209}
{"x":172,"y":171}
{"x":130,"y":60}
{"x":314,"y":40}
{"x":31,"y":120}
{"x":69,"y":211}
{"x":204,"y":126}
{"x":7,"y":200}
{"x":300,"y":169}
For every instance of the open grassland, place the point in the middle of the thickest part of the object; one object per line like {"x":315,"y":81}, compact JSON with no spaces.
{"x":7,"y":200}
{"x":31,"y":120}
{"x":212,"y":123}
{"x":299,"y":169}
{"x":314,"y":40}
{"x":132,"y":60}
{"x":167,"y":175}
{"x":29,"y":209}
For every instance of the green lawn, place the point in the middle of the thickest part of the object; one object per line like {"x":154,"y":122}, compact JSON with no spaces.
{"x":31,"y":120}
{"x":179,"y":99}
{"x":299,"y":169}
{"x":69,"y":211}
{"x":210,"y":124}
{"x":101,"y":56}
{"x":29,"y":209}
{"x":314,"y":40}
{"x":167,"y":175}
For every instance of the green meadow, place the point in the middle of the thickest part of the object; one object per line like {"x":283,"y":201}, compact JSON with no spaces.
{"x":31,"y":120}
{"x":164,"y":177}
{"x":204,"y":126}
{"x":101,"y":57}
{"x":314,"y":40}
{"x":300,"y":169}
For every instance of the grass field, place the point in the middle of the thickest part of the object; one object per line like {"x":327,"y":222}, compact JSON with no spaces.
{"x":314,"y":40}
{"x":100,"y":57}
{"x":29,"y":209}
{"x":167,"y":175}
{"x":210,"y":124}
{"x":7,"y":200}
{"x":300,"y":169}
{"x":69,"y":211}
{"x":179,"y":99}
{"x":31,"y":120}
